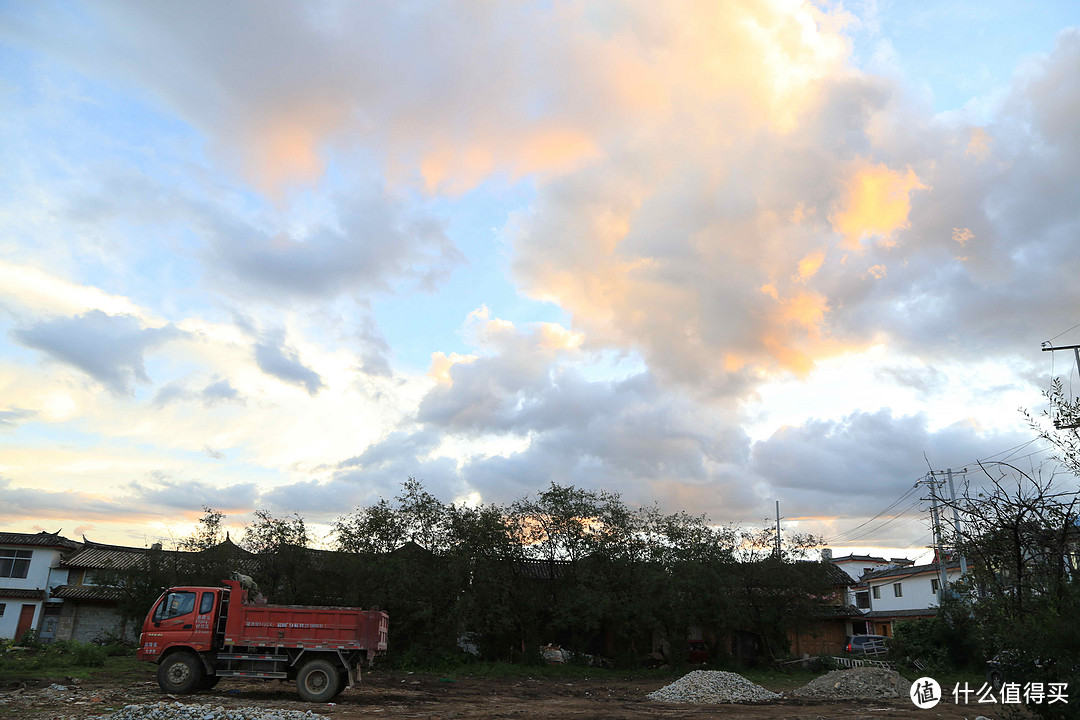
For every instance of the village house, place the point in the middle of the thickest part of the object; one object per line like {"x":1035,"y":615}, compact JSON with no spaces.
{"x":30,"y":564}
{"x":901,"y":593}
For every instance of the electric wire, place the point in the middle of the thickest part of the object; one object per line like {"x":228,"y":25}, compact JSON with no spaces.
{"x":902,"y":514}
{"x":894,"y":503}
{"x":1063,"y":332}
{"x":846,"y":536}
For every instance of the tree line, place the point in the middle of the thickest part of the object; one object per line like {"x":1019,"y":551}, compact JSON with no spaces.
{"x":568,"y":566}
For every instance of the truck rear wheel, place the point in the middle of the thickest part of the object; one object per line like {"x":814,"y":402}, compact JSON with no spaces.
{"x":343,"y":681}
{"x":318,"y":681}
{"x":180,"y":673}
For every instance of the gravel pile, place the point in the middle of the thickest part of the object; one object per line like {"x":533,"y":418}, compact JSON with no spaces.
{"x":179,"y":711}
{"x":712,"y":686}
{"x":868,"y":683}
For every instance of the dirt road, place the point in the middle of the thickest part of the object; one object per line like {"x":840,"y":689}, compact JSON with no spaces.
{"x":431,"y":697}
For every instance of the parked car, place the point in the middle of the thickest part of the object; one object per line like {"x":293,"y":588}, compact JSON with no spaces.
{"x":1015,"y":666}
{"x":870,"y":645}
{"x":697,"y":653}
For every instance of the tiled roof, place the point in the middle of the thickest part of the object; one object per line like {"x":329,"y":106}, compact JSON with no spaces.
{"x":85,"y":592}
{"x":24,"y":593}
{"x":41,"y":539}
{"x":837,"y":611}
{"x":901,"y":572}
{"x":860,"y":558}
{"x":98,"y":556}
{"x":540,"y":569}
{"x":921,"y":612}
{"x":836,"y":575}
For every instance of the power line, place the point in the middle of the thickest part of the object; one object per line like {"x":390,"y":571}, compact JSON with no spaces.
{"x":1063,"y":332}
{"x":877,"y":529}
{"x":845,"y":536}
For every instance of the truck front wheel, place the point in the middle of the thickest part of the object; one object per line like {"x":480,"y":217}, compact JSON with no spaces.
{"x":318,"y":681}
{"x":180,"y":673}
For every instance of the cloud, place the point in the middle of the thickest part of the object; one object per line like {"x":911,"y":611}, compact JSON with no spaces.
{"x":217,"y":391}
{"x":26,"y":287}
{"x":159,"y":499}
{"x":186,"y":494}
{"x":220,"y":390}
{"x":727,"y":263}
{"x":11,"y":419}
{"x":370,"y":243}
{"x":276,"y":359}
{"x":109,"y":348}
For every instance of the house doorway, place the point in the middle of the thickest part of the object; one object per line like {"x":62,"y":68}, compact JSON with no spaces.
{"x":26,"y":621}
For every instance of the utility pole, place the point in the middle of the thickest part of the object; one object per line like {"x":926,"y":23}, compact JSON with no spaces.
{"x":931,"y":482}
{"x":778,"y":556}
{"x":1063,"y":423}
{"x":956,"y":520}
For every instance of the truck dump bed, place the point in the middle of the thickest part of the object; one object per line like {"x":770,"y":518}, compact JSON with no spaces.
{"x":306,"y":627}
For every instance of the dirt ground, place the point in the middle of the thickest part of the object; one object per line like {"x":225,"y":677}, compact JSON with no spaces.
{"x":431,"y":697}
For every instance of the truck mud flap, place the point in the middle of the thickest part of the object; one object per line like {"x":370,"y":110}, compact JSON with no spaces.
{"x":352,"y":668}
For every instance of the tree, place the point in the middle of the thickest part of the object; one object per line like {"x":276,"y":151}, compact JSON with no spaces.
{"x":1021,"y":537}
{"x":208,"y":532}
{"x":283,"y":561}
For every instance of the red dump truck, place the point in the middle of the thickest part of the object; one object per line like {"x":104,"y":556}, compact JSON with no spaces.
{"x":198,"y":635}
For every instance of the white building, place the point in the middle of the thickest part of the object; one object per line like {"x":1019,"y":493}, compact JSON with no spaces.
{"x":29,"y":567}
{"x":856,"y":566}
{"x":901,"y":593}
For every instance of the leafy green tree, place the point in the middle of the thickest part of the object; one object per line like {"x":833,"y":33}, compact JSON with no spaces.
{"x":282,"y":564}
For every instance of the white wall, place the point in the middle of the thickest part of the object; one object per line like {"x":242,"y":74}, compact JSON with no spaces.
{"x":917,"y":592}
{"x":37,"y":577}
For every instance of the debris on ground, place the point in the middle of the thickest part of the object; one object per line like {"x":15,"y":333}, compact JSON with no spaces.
{"x":712,"y":686}
{"x":867,"y":683}
{"x":179,"y":711}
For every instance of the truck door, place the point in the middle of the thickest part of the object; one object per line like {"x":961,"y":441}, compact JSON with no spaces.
{"x":174,"y":618}
{"x":204,"y":620}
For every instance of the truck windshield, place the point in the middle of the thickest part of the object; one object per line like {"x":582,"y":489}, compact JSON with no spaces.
{"x":174,"y":605}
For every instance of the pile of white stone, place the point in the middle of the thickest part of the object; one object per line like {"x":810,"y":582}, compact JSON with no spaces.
{"x":179,"y":711}
{"x":868,"y":683}
{"x":712,"y":686}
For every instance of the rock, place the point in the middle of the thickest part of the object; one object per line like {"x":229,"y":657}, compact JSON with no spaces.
{"x":712,"y":686}
{"x":179,"y":711}
{"x":868,"y":683}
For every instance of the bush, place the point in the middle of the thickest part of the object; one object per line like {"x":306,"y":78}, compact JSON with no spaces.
{"x":53,"y":656}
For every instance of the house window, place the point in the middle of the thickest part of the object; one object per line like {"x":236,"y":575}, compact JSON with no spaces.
{"x":898,"y":589}
{"x":15,"y":563}
{"x":877,"y":592}
{"x":862,"y":600}
{"x":2,"y":606}
{"x":934,"y":585}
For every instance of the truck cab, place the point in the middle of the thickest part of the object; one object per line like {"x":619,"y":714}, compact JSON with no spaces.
{"x":181,"y":617}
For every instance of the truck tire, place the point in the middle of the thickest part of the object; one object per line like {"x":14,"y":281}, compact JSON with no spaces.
{"x":318,"y":681}
{"x":343,"y":681}
{"x":180,"y":673}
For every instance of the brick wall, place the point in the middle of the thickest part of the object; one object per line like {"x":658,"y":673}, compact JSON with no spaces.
{"x":89,"y":621}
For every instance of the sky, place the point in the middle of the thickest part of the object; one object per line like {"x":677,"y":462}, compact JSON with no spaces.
{"x":706,"y":255}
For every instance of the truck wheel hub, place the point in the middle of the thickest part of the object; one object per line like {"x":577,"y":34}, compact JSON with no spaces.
{"x":178,"y":673}
{"x":316,"y":681}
